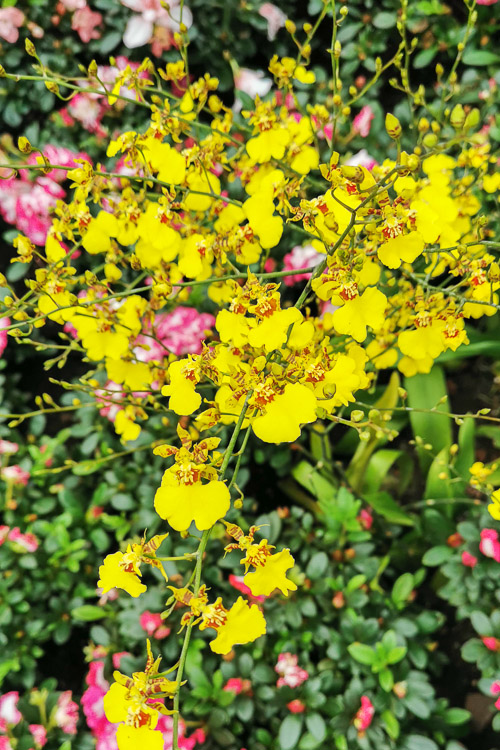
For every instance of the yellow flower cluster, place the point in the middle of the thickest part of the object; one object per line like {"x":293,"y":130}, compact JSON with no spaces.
{"x":206,"y":199}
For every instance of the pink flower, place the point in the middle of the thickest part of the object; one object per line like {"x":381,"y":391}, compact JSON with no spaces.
{"x":5,"y":743}
{"x":60,"y":155}
{"x":364,"y":716}
{"x":10,"y":21}
{"x":9,"y":714}
{"x":180,"y":332}
{"x":4,"y":323}
{"x":117,"y":658}
{"x":489,"y":544}
{"x":468,"y":560}
{"x":140,"y":28}
{"x":366,"y":519}
{"x":495,"y":687}
{"x":296,"y":706}
{"x":487,"y":2}
{"x":300,"y":257}
{"x":39,"y":734}
{"x":239,"y":585}
{"x":291,"y":674}
{"x":7,"y":448}
{"x":363,"y":120}
{"x":66,"y":714}
{"x":252,"y":82}
{"x":89,"y":111}
{"x":15,"y":475}
{"x":493,"y":644}
{"x":74,"y":4}
{"x":28,"y":540}
{"x":237,"y":685}
{"x":361,"y":159}
{"x":275,"y":19}
{"x":4,"y":533}
{"x":84,"y":22}
{"x":27,"y":205}
{"x":154,"y":625}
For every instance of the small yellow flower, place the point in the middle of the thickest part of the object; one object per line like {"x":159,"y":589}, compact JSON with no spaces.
{"x":494,"y":507}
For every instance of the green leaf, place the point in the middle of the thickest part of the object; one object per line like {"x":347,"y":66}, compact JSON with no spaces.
{"x":317,"y":565}
{"x":383,"y":504}
{"x":425,"y":393}
{"x":466,"y":450}
{"x":313,"y":481}
{"x":438,"y":484}
{"x":88,"y":612}
{"x":316,"y":725}
{"x":437,"y":555}
{"x":379,"y":466}
{"x":480,"y":57}
{"x":385,"y":20}
{"x":481,"y":623}
{"x":391,"y":724}
{"x":396,"y":654}
{"x":402,"y":588}
{"x":121,"y":501}
{"x":417,"y":706}
{"x":109,"y":42}
{"x":362,"y":653}
{"x":289,"y":732}
{"x":386,"y":680}
{"x":456,"y":716}
{"x":417,"y":742}
{"x":424,"y":57}
{"x":354,"y":583}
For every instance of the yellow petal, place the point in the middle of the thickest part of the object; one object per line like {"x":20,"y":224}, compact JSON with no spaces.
{"x":272,"y":575}
{"x":133,"y":738}
{"x":181,"y":504}
{"x":112,"y":575}
{"x":244,"y":624}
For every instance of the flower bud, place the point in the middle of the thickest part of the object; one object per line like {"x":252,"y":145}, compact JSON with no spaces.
{"x":24,"y":145}
{"x":30,"y":47}
{"x":457,"y":117}
{"x":472,"y":119}
{"x":393,"y":126}
{"x":430,"y":140}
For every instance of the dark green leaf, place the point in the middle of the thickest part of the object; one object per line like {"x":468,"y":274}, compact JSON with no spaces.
{"x":289,"y":732}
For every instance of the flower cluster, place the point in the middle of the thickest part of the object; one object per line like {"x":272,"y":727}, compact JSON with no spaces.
{"x":198,"y":204}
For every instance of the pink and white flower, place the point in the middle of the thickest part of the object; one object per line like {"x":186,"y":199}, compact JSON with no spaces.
{"x":15,"y":475}
{"x":364,"y":716}
{"x":66,"y":713}
{"x":4,"y":324}
{"x":275,"y":19}
{"x":10,"y":21}
{"x":151,"y":13}
{"x":39,"y":734}
{"x":153,"y":625}
{"x":9,"y":713}
{"x":85,"y":22}
{"x":489,"y":544}
{"x":301,"y":256}
{"x":28,"y":541}
{"x":6,"y":447}
{"x":291,"y":674}
{"x":361,"y":159}
{"x":363,"y":120}
{"x":251,"y":82}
